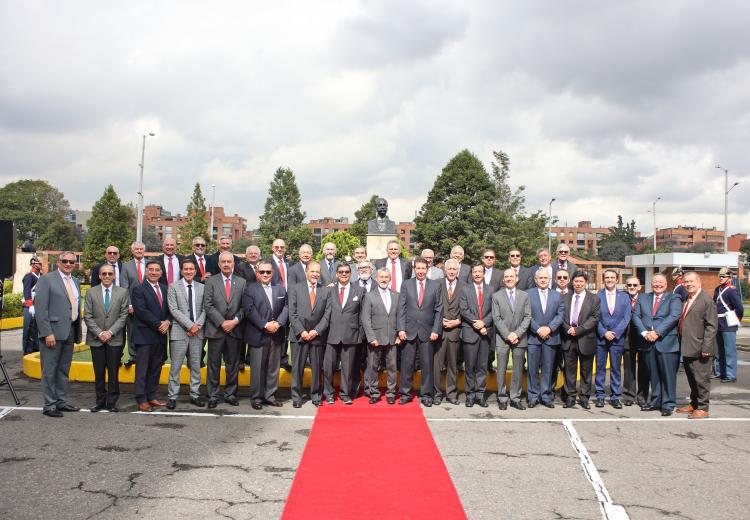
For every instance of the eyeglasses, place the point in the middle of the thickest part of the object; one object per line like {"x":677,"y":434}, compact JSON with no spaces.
{"x":113,"y":252}
{"x":199,"y":245}
{"x":106,"y":274}
{"x":67,"y":262}
{"x":632,"y":284}
{"x":514,"y":256}
{"x":489,"y":257}
{"x":562,"y":277}
{"x":265,"y":271}
{"x":344,"y":272}
{"x":563,"y":252}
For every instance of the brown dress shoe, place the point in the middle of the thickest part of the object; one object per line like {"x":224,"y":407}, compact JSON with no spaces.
{"x":688,"y":408}
{"x":157,"y":404}
{"x":699,"y":414}
{"x":145,"y":407}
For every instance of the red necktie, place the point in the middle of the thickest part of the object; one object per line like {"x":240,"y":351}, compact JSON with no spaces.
{"x":656,"y":304}
{"x":421,"y":293}
{"x":341,"y":296}
{"x":200,"y":264}
{"x":281,"y":273}
{"x":684,"y":312}
{"x":227,"y":288}
{"x":158,"y":296}
{"x":393,"y":275}
{"x":481,"y":300}
{"x":170,"y":270}
{"x":140,"y":273}
{"x":312,"y":296}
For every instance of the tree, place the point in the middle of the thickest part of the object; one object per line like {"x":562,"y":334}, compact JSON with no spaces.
{"x":464,"y":207}
{"x":110,"y":224}
{"x":59,"y":236}
{"x":33,"y":205}
{"x":619,"y":243}
{"x":241,"y":244}
{"x":509,"y":202}
{"x":745,"y":247}
{"x":196,"y":223}
{"x":614,"y":251}
{"x":345,"y":244}
{"x":361,"y":216}
{"x":282,"y":216}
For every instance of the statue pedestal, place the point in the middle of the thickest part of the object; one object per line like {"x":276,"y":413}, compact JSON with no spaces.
{"x":23,"y":266}
{"x":377,"y":246}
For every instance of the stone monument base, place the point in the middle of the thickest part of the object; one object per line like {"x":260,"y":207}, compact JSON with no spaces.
{"x":23,"y":266}
{"x":377,"y":246}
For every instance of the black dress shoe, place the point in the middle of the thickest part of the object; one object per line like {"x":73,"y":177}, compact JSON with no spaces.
{"x":347,"y":400}
{"x":296,"y":404}
{"x":469,"y":403}
{"x":330,"y":400}
{"x":599,"y":402}
{"x":454,"y":402}
{"x":212,"y":403}
{"x":171,"y":404}
{"x":405,"y":400}
{"x":518,"y":405}
{"x":198,"y":401}
{"x":437,"y":401}
{"x":648,"y":408}
{"x":615,"y":403}
{"x":98,"y":408}
{"x":585,"y":404}
{"x":65,"y":407}
{"x":287,"y":367}
{"x":52,"y":413}
{"x":483,"y":403}
{"x":628,"y":402}
{"x":548,"y":404}
{"x":231,"y":400}
{"x":729,"y":380}
{"x":374,"y":399}
{"x":113,"y":409}
{"x":503,"y":405}
{"x":129,"y":363}
{"x":273,"y":403}
{"x":316,"y":402}
{"x":570,"y":403}
{"x":492,"y":370}
{"x":532,"y":404}
{"x":427,"y":402}
{"x":666,"y":413}
{"x":256,"y":405}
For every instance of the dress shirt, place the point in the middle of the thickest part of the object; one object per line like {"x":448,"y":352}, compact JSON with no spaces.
{"x":346,"y":292}
{"x":192,"y":302}
{"x":582,"y":296}
{"x":67,"y":279}
{"x":611,"y":300}
{"x":269,"y":293}
{"x":385,"y":295}
{"x":398,"y":275}
{"x":286,"y":268}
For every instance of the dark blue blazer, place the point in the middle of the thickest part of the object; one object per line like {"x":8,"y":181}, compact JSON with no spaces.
{"x":148,"y":314}
{"x":469,"y":308}
{"x":617,"y":322}
{"x":416,"y":321}
{"x":664,"y":323}
{"x":553,"y":318}
{"x":258,"y":312}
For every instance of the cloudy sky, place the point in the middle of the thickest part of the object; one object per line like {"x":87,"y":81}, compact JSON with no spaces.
{"x":602,"y":105}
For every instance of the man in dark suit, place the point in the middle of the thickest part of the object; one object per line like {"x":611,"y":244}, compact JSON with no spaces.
{"x":419,"y":322}
{"x":378,"y":317}
{"x":266,"y":314}
{"x":248,"y":267}
{"x":297,"y":272}
{"x":563,"y":260}
{"x":206,"y":263}
{"x":112,"y":257}
{"x":524,"y":275}
{"x":547,"y":311}
{"x":511,"y":316}
{"x":366,"y":284}
{"x":697,"y":327}
{"x":170,"y":262}
{"x":400,"y":269}
{"x":614,"y":319}
{"x":464,"y":271}
{"x":105,"y":312}
{"x":223,"y":305}
{"x":57,"y":302}
{"x":133,"y":273}
{"x":635,"y":372}
{"x":225,"y":246}
{"x":329,"y":264}
{"x":151,"y":322}
{"x":309,"y":312}
{"x":446,"y":354}
{"x":343,"y":334}
{"x":476,"y":331}
{"x":580,"y":320}
{"x":655,"y":317}
{"x":679,"y":286}
{"x":281,"y":277}
{"x":492,"y":275}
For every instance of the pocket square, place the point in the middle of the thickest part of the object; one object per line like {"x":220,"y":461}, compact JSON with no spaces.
{"x":355,"y":298}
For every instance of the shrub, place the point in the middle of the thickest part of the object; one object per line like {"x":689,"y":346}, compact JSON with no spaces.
{"x":12,"y":305}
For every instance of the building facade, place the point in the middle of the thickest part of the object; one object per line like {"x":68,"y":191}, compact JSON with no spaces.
{"x":686,"y":238}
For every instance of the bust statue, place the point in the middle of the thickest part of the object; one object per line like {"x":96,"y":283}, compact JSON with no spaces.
{"x":28,"y":246}
{"x":381,"y":225}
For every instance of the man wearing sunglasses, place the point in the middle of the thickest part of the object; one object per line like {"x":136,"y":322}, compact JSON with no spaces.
{"x":563,"y":260}
{"x":206,"y":263}
{"x":112,"y":257}
{"x":562,"y":280}
{"x":635,"y":371}
{"x":524,"y":275}
{"x":57,"y":302}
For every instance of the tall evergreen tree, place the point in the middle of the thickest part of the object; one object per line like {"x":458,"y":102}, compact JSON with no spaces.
{"x":33,"y":205}
{"x":110,"y":224}
{"x":361,"y":216}
{"x":196,"y":223}
{"x":282,"y":216}
{"x":60,"y":235}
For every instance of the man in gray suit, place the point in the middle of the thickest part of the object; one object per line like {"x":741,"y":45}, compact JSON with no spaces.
{"x":433,"y":273}
{"x":476,"y":331}
{"x":133,"y":273}
{"x":329,"y":264}
{"x":223,"y":305}
{"x":446,"y":354}
{"x":309,"y":312}
{"x":419,"y":322}
{"x":378,"y":317}
{"x":511,"y":316}
{"x":105,"y":312}
{"x":297,"y":272}
{"x":185,"y":298}
{"x":57,"y":303}
{"x":343,"y":334}
{"x":464,"y":271}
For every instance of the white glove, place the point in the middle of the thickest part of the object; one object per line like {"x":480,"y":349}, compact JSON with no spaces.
{"x":32,"y":311}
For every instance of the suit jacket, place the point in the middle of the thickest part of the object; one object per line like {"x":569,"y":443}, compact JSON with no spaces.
{"x":496,"y":279}
{"x":215,"y":269}
{"x":343,"y":324}
{"x":464,"y":273}
{"x":209,"y":265}
{"x":179,"y":306}
{"x":470,"y":311}
{"x":552,"y":317}
{"x":435,"y":273}
{"x":246,"y":271}
{"x":297,"y":274}
{"x":129,"y":275}
{"x":258,"y":311}
{"x":219,"y":309}
{"x":571,"y":267}
{"x":506,"y":319}
{"x":664,"y":323}
{"x":302,"y":317}
{"x":53,"y":308}
{"x":633,"y":340}
{"x":617,"y":322}
{"x":588,"y":321}
{"x":95,"y":275}
{"x":327,"y":278}
{"x":164,"y":272}
{"x":377,"y":323}
{"x":699,"y":327}
{"x":452,"y":307}
{"x":405,"y":265}
{"x":98,"y":320}
{"x":276,"y":279}
{"x":420,"y":322}
{"x":148,"y":314}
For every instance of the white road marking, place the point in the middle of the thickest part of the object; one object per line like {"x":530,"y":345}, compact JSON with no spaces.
{"x":610,"y":510}
{"x":743,"y":362}
{"x":5,"y":411}
{"x":181,"y":414}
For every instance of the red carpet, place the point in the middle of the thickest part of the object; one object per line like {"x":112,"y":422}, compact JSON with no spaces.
{"x":372,"y":461}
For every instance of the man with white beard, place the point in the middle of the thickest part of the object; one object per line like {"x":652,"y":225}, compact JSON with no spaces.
{"x":365,"y":281}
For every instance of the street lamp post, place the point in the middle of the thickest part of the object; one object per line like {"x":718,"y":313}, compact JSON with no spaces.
{"x":653,"y":213}
{"x":139,"y":218}
{"x":213,"y":210}
{"x":549,"y":230}
{"x":727,"y":189}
